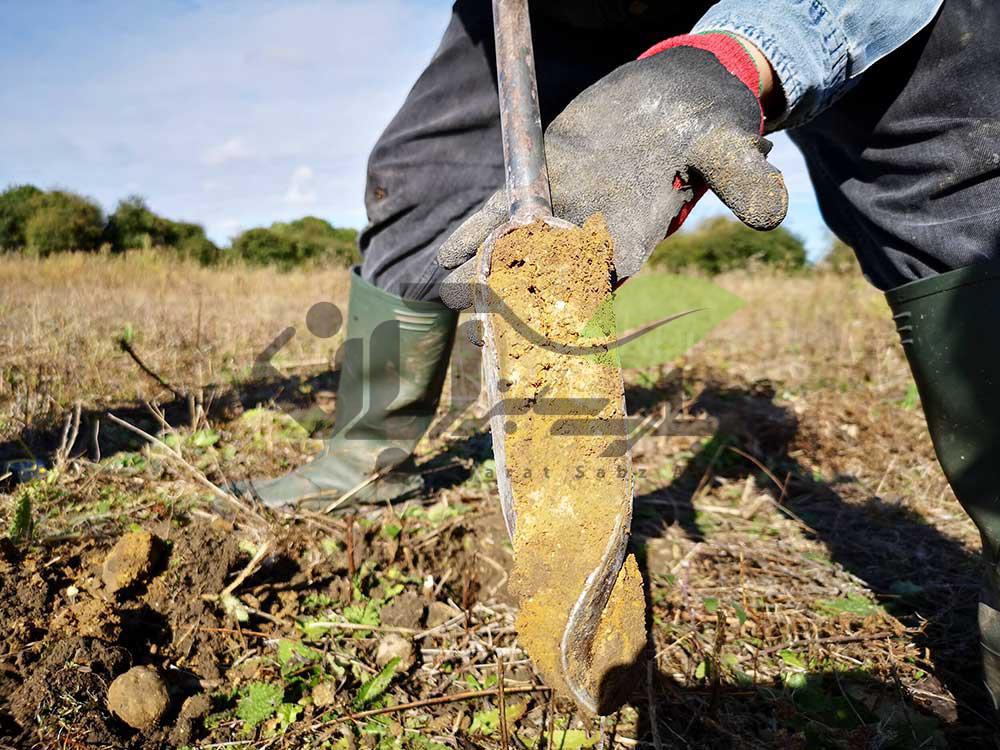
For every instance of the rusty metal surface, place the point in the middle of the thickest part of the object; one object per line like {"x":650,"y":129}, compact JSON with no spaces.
{"x":528,"y":195}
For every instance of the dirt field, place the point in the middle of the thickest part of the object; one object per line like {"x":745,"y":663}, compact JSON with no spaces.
{"x":811,"y":580}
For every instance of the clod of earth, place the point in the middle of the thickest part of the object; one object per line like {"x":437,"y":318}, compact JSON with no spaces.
{"x":139,"y":698}
{"x":130,"y":560}
{"x":405,"y":611}
{"x":394,"y":646}
{"x":438,"y":613}
{"x":325,"y":694}
{"x":565,"y":454}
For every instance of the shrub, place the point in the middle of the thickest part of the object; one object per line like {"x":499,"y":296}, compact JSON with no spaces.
{"x":293,"y":243}
{"x":191,"y":242}
{"x":840,"y":258}
{"x":61,"y":221}
{"x":15,"y":210}
{"x":722,"y":244}
{"x":261,"y":246}
{"x":133,"y":226}
{"x":320,"y":239}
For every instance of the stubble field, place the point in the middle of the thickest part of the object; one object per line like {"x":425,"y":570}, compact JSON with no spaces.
{"x":811,"y":579}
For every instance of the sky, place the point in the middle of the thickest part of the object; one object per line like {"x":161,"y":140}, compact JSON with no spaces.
{"x":231,"y":113}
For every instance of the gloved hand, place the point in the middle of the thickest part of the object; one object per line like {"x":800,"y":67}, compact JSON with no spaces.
{"x":640,"y":146}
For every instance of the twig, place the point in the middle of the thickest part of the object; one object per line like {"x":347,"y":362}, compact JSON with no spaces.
{"x":504,"y":737}
{"x":247,"y":571}
{"x":127,"y":348}
{"x":96,"y":437}
{"x":829,"y":640}
{"x":71,"y":431}
{"x":782,"y":486}
{"x":354,"y":491}
{"x":234,"y":631}
{"x":333,"y":625}
{"x":198,"y":476}
{"x":654,"y":724}
{"x":455,"y":698}
{"x":350,"y":548}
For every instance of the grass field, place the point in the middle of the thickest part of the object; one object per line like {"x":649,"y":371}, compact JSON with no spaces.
{"x":811,"y":579}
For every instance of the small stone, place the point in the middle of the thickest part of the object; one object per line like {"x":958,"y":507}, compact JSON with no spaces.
{"x":438,"y":613}
{"x":395,"y":646}
{"x":139,"y":698}
{"x":324,"y":694}
{"x":405,"y":611}
{"x":130,"y":560}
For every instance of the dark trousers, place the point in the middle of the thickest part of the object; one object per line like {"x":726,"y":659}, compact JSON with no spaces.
{"x":906,"y":165}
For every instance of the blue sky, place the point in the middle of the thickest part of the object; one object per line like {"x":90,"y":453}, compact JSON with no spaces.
{"x":230,"y":113}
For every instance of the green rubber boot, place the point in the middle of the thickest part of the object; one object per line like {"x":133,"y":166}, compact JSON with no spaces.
{"x":394,"y":361}
{"x":948,"y":325}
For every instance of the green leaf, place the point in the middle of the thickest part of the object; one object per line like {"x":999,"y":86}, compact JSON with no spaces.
{"x":792,"y":659}
{"x":741,"y":613}
{"x":259,"y":703}
{"x":287,"y":714}
{"x":794,"y":680}
{"x":701,"y":670}
{"x":711,"y":604}
{"x":205,"y":438}
{"x":573,"y":739}
{"x":294,"y":653}
{"x":392,"y":530}
{"x":377,"y":685}
{"x":393,"y":590}
{"x":366,"y":613}
{"x":912,"y":398}
{"x":485,"y":722}
{"x":852,"y":604}
{"x":21,"y":523}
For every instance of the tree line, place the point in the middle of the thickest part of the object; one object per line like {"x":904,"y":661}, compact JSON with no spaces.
{"x":39,"y":223}
{"x":42,"y":222}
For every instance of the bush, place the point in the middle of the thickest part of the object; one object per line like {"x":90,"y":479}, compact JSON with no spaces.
{"x":60,"y":221}
{"x":133,"y":226}
{"x":191,"y":242}
{"x":296,"y":242}
{"x":261,"y":246}
{"x":840,"y":258}
{"x":722,"y":244}
{"x":15,"y":210}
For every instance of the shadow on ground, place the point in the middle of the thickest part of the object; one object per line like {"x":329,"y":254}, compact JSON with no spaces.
{"x":294,"y":395}
{"x":924,"y":578}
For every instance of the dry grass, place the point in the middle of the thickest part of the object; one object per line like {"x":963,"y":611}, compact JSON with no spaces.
{"x":811,"y":579}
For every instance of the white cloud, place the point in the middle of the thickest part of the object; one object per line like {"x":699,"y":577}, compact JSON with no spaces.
{"x":302,"y":188}
{"x":234,"y":149}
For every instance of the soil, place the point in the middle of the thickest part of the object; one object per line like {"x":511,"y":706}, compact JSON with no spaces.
{"x":141,"y":666}
{"x":130,"y":560}
{"x":565,"y":416}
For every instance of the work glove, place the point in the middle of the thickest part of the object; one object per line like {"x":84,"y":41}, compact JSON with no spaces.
{"x":640,"y":146}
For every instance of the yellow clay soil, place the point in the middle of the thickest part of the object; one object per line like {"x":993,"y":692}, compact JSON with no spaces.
{"x":565,"y":410}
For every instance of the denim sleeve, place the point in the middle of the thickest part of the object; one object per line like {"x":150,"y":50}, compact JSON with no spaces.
{"x":819,"y":48}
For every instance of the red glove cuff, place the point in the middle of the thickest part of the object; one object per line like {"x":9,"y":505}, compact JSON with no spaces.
{"x":727,"y":50}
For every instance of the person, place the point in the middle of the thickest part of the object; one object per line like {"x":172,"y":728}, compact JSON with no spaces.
{"x":646,"y":104}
